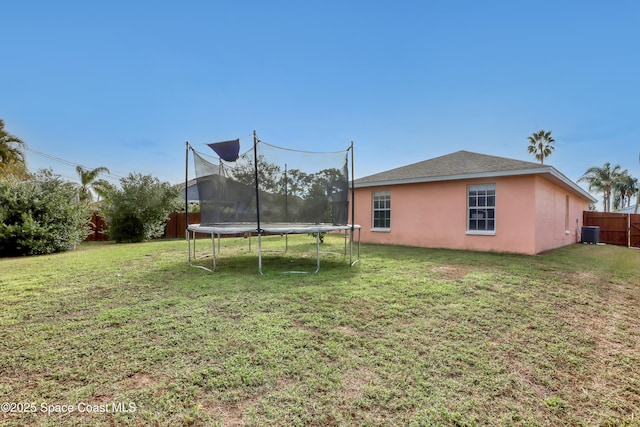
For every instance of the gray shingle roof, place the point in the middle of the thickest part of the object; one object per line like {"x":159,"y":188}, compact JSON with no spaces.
{"x":465,"y":165}
{"x":450,"y":165}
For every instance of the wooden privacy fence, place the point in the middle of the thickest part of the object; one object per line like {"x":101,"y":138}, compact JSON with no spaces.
{"x":615,"y":228}
{"x":176,"y":224}
{"x":174,"y":229}
{"x":98,"y":228}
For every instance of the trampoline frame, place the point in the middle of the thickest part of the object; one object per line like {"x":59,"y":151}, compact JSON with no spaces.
{"x":270,"y":229}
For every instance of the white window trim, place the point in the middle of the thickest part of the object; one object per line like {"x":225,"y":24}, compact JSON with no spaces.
{"x":481,"y":232}
{"x":373,"y":195}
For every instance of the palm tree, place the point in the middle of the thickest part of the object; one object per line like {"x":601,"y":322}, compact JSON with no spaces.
{"x":631,"y":189}
{"x":624,"y":188}
{"x":89,"y":181}
{"x":602,"y":180}
{"x":541,"y":145}
{"x":11,"y":152}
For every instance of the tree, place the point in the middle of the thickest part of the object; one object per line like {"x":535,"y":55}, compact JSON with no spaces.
{"x":15,"y":171}
{"x":89,"y":181}
{"x":602,"y":180}
{"x":12,"y":160}
{"x":541,"y":145}
{"x":40,"y":216}
{"x":139,"y":210}
{"x":624,"y":188}
{"x":631,"y":188}
{"x":297,"y":182}
{"x":268,"y":173}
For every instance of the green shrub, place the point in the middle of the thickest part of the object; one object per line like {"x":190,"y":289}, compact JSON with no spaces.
{"x":126,"y":228}
{"x":140,"y":208}
{"x":41,"y":216}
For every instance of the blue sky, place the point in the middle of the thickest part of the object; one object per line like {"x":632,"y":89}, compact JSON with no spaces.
{"x":123,"y":84}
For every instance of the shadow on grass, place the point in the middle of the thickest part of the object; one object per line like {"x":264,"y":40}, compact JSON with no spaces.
{"x":237,"y":268}
{"x":271,"y":264}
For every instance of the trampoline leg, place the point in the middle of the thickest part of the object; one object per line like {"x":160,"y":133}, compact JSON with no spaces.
{"x":317,"y":252}
{"x":194,"y":244}
{"x":358,"y":260}
{"x":192,"y":236}
{"x":351,"y":261}
{"x":346,"y":233}
{"x":260,"y":253}
{"x":213,"y":249}
{"x":189,"y":247}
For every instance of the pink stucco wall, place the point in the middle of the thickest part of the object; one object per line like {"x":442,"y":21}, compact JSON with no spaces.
{"x":530,"y":215}
{"x":559,"y":216}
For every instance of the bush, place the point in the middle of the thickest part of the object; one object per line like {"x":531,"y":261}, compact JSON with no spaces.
{"x":139,"y":210}
{"x":41,"y":216}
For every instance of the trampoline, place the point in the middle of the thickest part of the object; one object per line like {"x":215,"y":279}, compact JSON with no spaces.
{"x":270,"y":190}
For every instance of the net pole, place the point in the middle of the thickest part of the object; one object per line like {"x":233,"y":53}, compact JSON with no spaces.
{"x":353,"y":203}
{"x":255,"y":169}
{"x":353,"y":192}
{"x":186,"y":188}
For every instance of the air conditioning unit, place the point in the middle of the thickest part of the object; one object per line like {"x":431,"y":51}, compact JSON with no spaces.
{"x":591,"y":235}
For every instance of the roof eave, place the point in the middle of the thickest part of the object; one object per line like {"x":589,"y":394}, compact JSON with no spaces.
{"x":456,"y":177}
{"x":535,"y":171}
{"x":572,"y":185}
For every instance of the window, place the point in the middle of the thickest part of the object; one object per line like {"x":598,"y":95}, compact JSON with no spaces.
{"x":382,"y":210}
{"x":482,"y":209}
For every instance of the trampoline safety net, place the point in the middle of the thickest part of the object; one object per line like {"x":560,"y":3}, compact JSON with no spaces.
{"x":292,"y":187}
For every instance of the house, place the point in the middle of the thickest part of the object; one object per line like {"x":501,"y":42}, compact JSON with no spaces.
{"x":471,"y":201}
{"x":629,"y":209}
{"x":192,"y":191}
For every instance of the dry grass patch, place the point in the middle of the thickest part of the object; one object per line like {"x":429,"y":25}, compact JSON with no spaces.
{"x":355,"y":381}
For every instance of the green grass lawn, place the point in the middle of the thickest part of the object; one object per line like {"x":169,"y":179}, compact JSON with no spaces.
{"x":408,"y":336}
